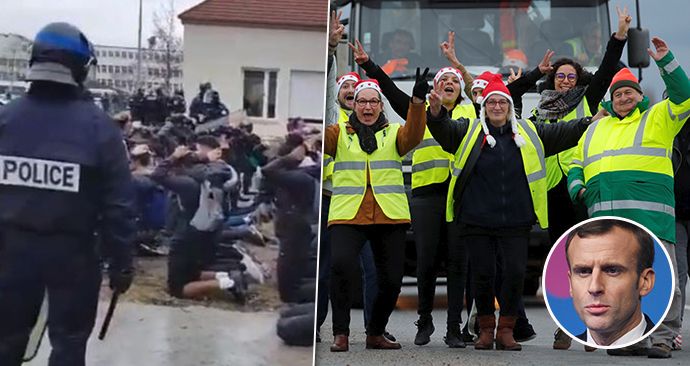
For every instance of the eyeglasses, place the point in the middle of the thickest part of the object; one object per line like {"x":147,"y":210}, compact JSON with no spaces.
{"x":362,"y":103}
{"x":500,"y":103}
{"x":562,"y":76}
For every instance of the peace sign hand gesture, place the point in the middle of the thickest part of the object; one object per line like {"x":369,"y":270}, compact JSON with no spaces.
{"x":545,"y":64}
{"x":448,"y":49}
{"x":359,"y":53}
{"x":421,"y":86}
{"x":624,"y":20}
{"x":513,"y":76}
{"x":336,"y":30}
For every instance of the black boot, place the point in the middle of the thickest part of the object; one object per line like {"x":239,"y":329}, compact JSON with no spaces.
{"x":425,"y":327}
{"x":453,"y":336}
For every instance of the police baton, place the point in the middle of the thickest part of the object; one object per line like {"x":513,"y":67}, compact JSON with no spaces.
{"x":109,"y":315}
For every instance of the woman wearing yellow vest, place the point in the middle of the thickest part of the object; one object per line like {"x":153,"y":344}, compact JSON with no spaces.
{"x":572,"y":92}
{"x":434,"y":238}
{"x":497,"y":192}
{"x":369,"y":203}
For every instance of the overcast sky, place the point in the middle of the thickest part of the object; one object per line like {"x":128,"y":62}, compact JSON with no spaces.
{"x":105,"y":22}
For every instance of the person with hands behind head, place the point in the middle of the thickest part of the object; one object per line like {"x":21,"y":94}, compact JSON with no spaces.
{"x":369,"y":203}
{"x":199,"y":190}
{"x":631,"y":175}
{"x":497,"y":191}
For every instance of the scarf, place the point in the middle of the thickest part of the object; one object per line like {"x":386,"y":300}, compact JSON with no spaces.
{"x":367,"y":134}
{"x":555,"y":105}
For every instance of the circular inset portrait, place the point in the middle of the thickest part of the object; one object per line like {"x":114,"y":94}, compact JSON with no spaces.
{"x":608,"y":282}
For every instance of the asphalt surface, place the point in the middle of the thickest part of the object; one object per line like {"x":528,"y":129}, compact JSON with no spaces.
{"x":148,"y":335}
{"x":538,"y":351}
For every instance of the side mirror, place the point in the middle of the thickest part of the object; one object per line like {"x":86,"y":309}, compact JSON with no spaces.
{"x":638,"y":42}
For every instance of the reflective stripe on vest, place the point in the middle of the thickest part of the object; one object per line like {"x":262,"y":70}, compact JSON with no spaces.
{"x":384,"y":167}
{"x":533,"y":162}
{"x":430,"y":163}
{"x":631,"y":205}
{"x":636,"y":149}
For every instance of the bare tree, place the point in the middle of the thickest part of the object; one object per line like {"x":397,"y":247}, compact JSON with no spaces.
{"x":166,"y":41}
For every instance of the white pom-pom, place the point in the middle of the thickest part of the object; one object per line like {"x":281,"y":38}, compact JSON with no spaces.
{"x":519,"y":140}
{"x":490,"y":140}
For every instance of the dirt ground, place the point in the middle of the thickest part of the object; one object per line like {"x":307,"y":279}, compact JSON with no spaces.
{"x":150,"y":287}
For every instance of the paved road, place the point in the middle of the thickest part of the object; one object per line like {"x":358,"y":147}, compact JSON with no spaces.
{"x":143,"y":335}
{"x":535,"y":352}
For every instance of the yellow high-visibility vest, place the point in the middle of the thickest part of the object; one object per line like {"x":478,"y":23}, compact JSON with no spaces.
{"x":385,"y":172}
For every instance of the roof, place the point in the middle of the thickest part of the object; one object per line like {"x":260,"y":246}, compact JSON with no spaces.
{"x":280,"y":14}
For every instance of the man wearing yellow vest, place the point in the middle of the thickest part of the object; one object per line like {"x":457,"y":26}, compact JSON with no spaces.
{"x":497,"y":192}
{"x":622,"y":167}
{"x":369,"y":203}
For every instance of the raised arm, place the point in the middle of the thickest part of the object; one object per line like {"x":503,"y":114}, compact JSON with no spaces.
{"x":448,"y":49}
{"x":412,"y":133}
{"x":523,"y":84}
{"x":335,"y":33}
{"x":609,"y":64}
{"x":398,"y":99}
{"x":676,"y":81}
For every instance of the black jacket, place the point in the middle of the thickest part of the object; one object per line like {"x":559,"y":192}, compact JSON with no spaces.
{"x":647,"y":329}
{"x":64,"y":170}
{"x":400,"y":102}
{"x":492,"y":189}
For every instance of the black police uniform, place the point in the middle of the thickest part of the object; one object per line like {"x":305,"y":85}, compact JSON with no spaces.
{"x":63,"y":176}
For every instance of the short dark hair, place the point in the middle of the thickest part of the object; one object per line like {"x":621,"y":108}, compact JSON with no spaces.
{"x":645,"y":253}
{"x":208,"y":141}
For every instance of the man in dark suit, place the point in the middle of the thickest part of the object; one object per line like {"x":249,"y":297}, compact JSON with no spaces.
{"x":610,"y":270}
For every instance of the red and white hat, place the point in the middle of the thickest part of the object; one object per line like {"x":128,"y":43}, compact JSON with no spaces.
{"x":497,"y":87}
{"x":449,"y":70}
{"x":367,"y":84}
{"x":481,"y":82}
{"x":350,"y":76}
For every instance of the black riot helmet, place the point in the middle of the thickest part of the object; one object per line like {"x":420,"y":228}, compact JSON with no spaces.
{"x":61,"y":53}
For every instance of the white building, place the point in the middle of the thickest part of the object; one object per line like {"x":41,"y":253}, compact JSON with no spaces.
{"x":266,"y":57}
{"x":117,"y":68}
{"x":14,"y":61}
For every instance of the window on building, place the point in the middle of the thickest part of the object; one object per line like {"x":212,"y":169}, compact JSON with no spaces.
{"x":117,"y":69}
{"x":110,"y":69}
{"x":110,"y":82}
{"x":260,"y":93}
{"x":110,"y":53}
{"x":117,"y":53}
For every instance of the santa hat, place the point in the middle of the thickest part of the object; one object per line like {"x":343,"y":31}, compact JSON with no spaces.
{"x":481,"y":82}
{"x":624,"y":78}
{"x":367,"y":84}
{"x":350,"y":76}
{"x":449,"y":70}
{"x":496,"y":87}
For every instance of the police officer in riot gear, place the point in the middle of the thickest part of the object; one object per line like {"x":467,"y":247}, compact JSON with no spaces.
{"x":63,"y":176}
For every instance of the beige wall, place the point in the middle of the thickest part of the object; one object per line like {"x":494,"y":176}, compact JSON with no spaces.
{"x":219,"y":54}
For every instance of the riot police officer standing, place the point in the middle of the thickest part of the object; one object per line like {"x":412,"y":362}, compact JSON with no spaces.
{"x":63,"y":176}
